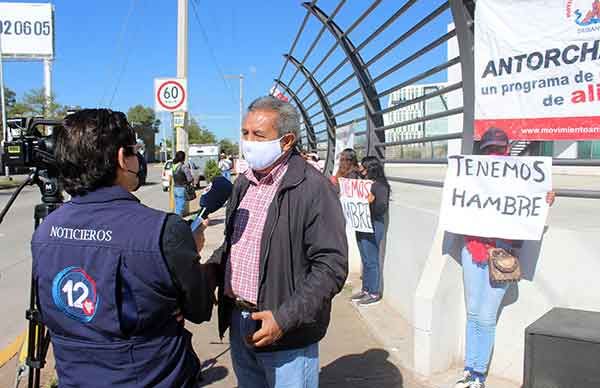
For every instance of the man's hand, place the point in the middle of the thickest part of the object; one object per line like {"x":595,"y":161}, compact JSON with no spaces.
{"x":550,"y":196}
{"x":199,"y":235}
{"x":269,"y":331}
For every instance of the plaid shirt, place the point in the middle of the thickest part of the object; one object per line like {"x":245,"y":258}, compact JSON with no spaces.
{"x":243,"y":267}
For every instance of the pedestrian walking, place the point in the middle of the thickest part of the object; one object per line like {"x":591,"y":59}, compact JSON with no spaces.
{"x":225,"y":165}
{"x":284,"y":258}
{"x":182,"y":178}
{"x":369,"y":244}
{"x":483,"y":297}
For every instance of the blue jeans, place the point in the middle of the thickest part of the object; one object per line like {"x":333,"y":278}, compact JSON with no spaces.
{"x":483,"y":300}
{"x":295,"y":368}
{"x":179,"y":193}
{"x":368,"y":245}
{"x":227,"y":174}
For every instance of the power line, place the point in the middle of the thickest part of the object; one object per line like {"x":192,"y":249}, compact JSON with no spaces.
{"x":123,"y":67}
{"x":210,"y":49}
{"x":120,"y":40}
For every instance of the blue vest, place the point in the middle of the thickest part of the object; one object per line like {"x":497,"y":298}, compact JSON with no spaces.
{"x":106,"y":295}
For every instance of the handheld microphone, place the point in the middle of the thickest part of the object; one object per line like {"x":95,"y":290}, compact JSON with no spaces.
{"x":213,"y":198}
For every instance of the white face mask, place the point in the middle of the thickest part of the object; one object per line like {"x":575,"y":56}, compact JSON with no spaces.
{"x":262,"y":154}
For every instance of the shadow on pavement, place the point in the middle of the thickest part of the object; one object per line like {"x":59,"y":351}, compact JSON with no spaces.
{"x":365,"y":370}
{"x":213,"y":374}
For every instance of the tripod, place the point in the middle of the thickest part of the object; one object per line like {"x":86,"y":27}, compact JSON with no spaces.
{"x":38,"y":337}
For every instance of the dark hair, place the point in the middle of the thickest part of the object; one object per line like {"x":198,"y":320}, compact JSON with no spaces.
{"x":87,"y":145}
{"x":375,"y":170}
{"x":350,"y":154}
{"x":179,"y":157}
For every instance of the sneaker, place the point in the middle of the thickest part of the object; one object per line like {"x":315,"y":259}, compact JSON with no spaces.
{"x":477,"y":384}
{"x":369,"y":300}
{"x":358,"y":296}
{"x":466,"y":381}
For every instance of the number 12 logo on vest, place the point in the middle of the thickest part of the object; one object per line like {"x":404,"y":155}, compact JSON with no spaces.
{"x":74,"y":293}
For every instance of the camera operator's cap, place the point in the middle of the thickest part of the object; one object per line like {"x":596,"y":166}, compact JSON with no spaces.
{"x":494,"y":136}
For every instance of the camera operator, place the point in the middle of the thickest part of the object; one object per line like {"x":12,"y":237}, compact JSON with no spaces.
{"x":115,"y":278}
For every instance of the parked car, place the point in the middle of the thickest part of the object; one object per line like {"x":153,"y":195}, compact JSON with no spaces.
{"x":165,"y":178}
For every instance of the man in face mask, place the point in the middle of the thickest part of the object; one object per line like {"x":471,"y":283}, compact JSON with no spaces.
{"x":284,"y":255}
{"x":115,"y":278}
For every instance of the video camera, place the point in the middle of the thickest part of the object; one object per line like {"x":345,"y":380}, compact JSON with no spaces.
{"x":30,"y":148}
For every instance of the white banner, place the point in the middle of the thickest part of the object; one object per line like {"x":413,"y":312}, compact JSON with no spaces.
{"x":354,"y":195}
{"x":27,"y":30}
{"x":496,"y":196}
{"x":537,"y":68}
{"x":344,"y":138}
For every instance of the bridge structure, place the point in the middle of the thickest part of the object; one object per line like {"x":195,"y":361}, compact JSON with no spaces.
{"x":401,"y":73}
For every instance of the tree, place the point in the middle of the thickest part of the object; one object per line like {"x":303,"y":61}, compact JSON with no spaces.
{"x":211,"y":170}
{"x":35,"y":103}
{"x":198,"y":134}
{"x":146,"y":125}
{"x":228,"y":147}
{"x":10,"y":99}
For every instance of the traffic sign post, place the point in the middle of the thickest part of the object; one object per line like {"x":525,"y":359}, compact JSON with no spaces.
{"x":170,"y":94}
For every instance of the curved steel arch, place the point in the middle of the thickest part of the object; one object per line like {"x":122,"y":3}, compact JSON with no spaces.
{"x":365,"y":81}
{"x":310,"y":130}
{"x":327,"y":112}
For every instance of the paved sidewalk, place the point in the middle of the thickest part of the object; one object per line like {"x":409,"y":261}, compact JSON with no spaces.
{"x":350,"y":356}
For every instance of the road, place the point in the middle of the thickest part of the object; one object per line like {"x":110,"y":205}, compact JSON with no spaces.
{"x":15,"y":256}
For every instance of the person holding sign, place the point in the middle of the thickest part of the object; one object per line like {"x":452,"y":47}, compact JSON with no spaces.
{"x":369,"y":243}
{"x":483,"y":296}
{"x":348,"y":168}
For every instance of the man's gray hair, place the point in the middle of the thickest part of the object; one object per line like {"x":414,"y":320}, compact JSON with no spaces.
{"x":288,"y":118}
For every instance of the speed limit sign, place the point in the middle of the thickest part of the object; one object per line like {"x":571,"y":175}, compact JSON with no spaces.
{"x":170,"y":94}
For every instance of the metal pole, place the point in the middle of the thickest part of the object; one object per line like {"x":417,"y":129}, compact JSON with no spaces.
{"x":3,"y":105}
{"x":48,"y":83}
{"x":241,"y":107}
{"x":182,"y":64}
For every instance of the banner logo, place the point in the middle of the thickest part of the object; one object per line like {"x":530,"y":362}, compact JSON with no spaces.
{"x":74,"y":293}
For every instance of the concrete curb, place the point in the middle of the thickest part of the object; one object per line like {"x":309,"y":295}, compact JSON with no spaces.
{"x":12,"y":349}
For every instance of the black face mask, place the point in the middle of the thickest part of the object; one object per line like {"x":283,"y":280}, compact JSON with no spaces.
{"x":140,"y":173}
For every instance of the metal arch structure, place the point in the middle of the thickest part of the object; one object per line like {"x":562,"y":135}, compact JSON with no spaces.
{"x":462,"y":15}
{"x":365,"y":81}
{"x":310,"y":130}
{"x":327,"y":112}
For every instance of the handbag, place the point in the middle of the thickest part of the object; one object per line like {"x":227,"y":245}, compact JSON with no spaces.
{"x":503,"y":266}
{"x":190,"y":192}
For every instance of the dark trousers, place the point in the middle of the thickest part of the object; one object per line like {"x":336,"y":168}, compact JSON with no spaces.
{"x":369,"y":246}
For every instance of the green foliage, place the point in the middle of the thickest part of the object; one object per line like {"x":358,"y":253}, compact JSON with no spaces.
{"x":228,"y":147}
{"x":143,"y":120}
{"x":198,"y":134}
{"x":211,"y":170}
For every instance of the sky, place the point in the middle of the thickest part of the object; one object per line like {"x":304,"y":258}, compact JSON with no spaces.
{"x":108,"y":52}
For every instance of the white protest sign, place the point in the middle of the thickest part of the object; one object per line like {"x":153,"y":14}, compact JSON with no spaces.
{"x":27,"y":30}
{"x":496,"y":196}
{"x":354,"y":195}
{"x":344,"y":138}
{"x":170,"y":94}
{"x":537,"y":68}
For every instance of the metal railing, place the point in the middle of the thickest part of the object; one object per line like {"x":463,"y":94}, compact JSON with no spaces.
{"x":407,"y":86}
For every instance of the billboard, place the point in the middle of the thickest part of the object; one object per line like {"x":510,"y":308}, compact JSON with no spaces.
{"x":537,"y":68}
{"x":26,"y":31}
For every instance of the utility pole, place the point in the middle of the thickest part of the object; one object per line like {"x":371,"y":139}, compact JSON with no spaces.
{"x":241,"y":77}
{"x":182,"y":66}
{"x":5,"y":136}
